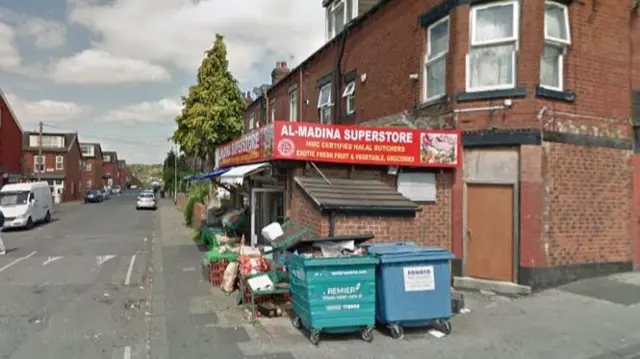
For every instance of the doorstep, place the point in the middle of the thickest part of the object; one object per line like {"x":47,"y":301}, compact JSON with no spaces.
{"x":498,"y":287}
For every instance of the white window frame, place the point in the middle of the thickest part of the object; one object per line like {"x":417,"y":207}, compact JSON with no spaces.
{"x":561,"y":44}
{"x":272,"y":111}
{"x":293,"y":105}
{"x":59,"y":163}
{"x":430,"y":58}
{"x":323,"y":108}
{"x":38,"y":161}
{"x":349,"y":94}
{"x":88,"y":166}
{"x":252,"y":121}
{"x":349,"y":15}
{"x":512,"y":40}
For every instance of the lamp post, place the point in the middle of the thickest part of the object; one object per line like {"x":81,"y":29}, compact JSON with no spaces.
{"x":175,"y":174}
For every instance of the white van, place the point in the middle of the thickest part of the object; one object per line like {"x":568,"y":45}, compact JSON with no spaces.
{"x":24,"y":204}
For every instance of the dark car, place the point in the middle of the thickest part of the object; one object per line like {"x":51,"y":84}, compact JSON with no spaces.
{"x":93,"y":196}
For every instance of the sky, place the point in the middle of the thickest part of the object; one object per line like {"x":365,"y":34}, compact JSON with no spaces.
{"x":114,"y":70}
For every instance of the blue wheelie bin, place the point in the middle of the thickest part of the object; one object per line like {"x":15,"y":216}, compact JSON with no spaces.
{"x":413,"y":287}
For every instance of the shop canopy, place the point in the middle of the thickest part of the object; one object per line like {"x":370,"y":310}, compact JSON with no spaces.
{"x":236,"y":175}
{"x":355,"y":195}
{"x":206,"y":176}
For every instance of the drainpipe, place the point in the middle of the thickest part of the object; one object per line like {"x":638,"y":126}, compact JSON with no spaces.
{"x":332,"y":223}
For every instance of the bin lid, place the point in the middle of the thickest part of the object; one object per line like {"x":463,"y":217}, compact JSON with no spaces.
{"x":404,"y":252}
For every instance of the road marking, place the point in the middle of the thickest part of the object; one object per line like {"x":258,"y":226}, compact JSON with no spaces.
{"x":50,"y":260}
{"x":127,"y":353}
{"x":101,"y":259}
{"x":18,"y":261}
{"x":127,"y":279}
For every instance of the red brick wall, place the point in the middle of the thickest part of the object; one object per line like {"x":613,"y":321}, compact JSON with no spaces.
{"x":588,"y":204}
{"x":431,"y":226}
{"x":73,"y":185}
{"x":636,"y":217}
{"x":95,"y":174}
{"x":10,"y":141}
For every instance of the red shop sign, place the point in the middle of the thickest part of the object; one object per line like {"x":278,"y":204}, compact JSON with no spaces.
{"x":304,"y":141}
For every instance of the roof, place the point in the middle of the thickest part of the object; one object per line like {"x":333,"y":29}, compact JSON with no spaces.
{"x":355,"y":195}
{"x":351,"y":25}
{"x":69,"y":138}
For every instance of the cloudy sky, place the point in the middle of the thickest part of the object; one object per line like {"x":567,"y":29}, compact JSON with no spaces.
{"x":114,"y":70}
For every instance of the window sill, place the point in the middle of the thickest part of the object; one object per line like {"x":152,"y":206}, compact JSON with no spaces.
{"x":440,"y":100}
{"x":565,"y":96}
{"x":518,"y":92}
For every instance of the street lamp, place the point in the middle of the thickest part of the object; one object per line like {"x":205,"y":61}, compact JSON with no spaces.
{"x":175,"y":174}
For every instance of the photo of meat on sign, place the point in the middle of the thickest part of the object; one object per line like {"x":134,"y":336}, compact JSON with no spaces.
{"x":439,"y":148}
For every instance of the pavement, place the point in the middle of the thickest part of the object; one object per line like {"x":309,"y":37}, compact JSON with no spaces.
{"x":69,"y":289}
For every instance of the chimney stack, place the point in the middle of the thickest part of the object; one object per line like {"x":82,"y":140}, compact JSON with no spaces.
{"x":279,"y":72}
{"x":247,"y":98}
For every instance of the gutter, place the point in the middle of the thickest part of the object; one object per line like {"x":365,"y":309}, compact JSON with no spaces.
{"x":365,"y":209}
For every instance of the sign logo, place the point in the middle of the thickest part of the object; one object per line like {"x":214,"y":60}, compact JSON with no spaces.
{"x":286,"y":147}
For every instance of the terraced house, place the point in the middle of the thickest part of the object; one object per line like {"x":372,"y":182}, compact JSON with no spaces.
{"x":92,"y":171}
{"x":546,"y":96}
{"x":110,"y":168}
{"x":10,"y":144}
{"x":60,"y":163}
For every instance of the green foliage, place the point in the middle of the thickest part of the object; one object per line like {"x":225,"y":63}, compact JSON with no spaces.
{"x":169,"y":170}
{"x":214,"y":108}
{"x":198,"y":193}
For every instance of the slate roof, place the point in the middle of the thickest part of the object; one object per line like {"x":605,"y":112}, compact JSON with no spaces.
{"x":68,"y":141}
{"x":355,"y":195}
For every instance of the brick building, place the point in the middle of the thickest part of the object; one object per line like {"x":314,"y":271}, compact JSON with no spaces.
{"x":10,"y":144}
{"x":110,"y":168}
{"x":124,"y":174}
{"x":60,"y":164}
{"x":546,"y":115}
{"x":93,"y":171}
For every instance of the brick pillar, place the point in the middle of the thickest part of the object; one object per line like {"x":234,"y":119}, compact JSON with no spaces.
{"x":532,"y":248}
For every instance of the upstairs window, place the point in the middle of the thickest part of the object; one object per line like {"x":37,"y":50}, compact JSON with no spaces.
{"x":252,"y":121}
{"x":59,"y":163}
{"x":293,"y":105}
{"x":38,"y":163}
{"x":491,"y":62}
{"x":557,"y":39}
{"x":350,"y":95}
{"x":272,"y":111}
{"x":324,"y":104}
{"x":339,"y":13}
{"x":435,"y":62}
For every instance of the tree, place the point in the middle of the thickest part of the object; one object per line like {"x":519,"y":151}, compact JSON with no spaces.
{"x":213,"y":111}
{"x":169,"y":167}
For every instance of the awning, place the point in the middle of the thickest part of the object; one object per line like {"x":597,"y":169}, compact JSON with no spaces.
{"x":354,"y":195}
{"x":236,"y":175}
{"x":213,"y":174}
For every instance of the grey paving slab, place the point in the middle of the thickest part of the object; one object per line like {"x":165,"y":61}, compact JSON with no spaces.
{"x":606,"y":289}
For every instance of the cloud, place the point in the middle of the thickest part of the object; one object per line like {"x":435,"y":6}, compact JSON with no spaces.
{"x":161,"y":111}
{"x":9,"y":55}
{"x":47,"y":34}
{"x":95,"y":67}
{"x":177,"y":32}
{"x":30,"y":113}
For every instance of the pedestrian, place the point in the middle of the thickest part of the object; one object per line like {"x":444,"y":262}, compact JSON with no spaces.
{"x":3,"y":250}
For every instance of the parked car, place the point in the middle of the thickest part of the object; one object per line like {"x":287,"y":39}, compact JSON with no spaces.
{"x":105,"y":194}
{"x":24,"y":204}
{"x":94,"y":196}
{"x":146,"y":200}
{"x":116,"y":190}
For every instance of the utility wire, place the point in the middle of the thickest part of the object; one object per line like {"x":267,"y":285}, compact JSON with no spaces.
{"x":144,"y":143}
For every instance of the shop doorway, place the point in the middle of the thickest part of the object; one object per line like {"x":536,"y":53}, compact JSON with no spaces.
{"x":267,"y":206}
{"x":489,"y":248}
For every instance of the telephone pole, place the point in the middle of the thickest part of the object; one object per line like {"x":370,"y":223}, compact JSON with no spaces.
{"x":40,"y":161}
{"x":175,"y":174}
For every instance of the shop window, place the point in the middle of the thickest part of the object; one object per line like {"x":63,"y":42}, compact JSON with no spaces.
{"x":417,"y":186}
{"x":350,"y":95}
{"x":324,"y":104}
{"x":557,"y":39}
{"x":491,"y":62}
{"x":435,"y":62}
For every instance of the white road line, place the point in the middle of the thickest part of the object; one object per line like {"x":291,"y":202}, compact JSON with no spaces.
{"x":127,"y":279}
{"x":18,"y":261}
{"x":49,"y":260}
{"x":127,"y":353}
{"x":102,"y":259}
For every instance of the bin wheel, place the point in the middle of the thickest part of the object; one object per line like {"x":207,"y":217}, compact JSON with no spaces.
{"x":367,"y":335}
{"x":297,"y":322}
{"x":314,"y":337}
{"x":397,"y":331}
{"x":444,"y":325}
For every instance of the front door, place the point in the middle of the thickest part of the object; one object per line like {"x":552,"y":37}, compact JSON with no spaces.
{"x":489,"y":232}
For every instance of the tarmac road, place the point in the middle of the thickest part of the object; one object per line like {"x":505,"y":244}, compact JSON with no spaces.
{"x":75,"y":288}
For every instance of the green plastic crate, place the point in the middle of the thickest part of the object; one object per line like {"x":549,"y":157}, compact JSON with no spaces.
{"x":334,"y":295}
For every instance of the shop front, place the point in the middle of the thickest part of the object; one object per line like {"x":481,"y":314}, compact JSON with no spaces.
{"x":394,"y":183}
